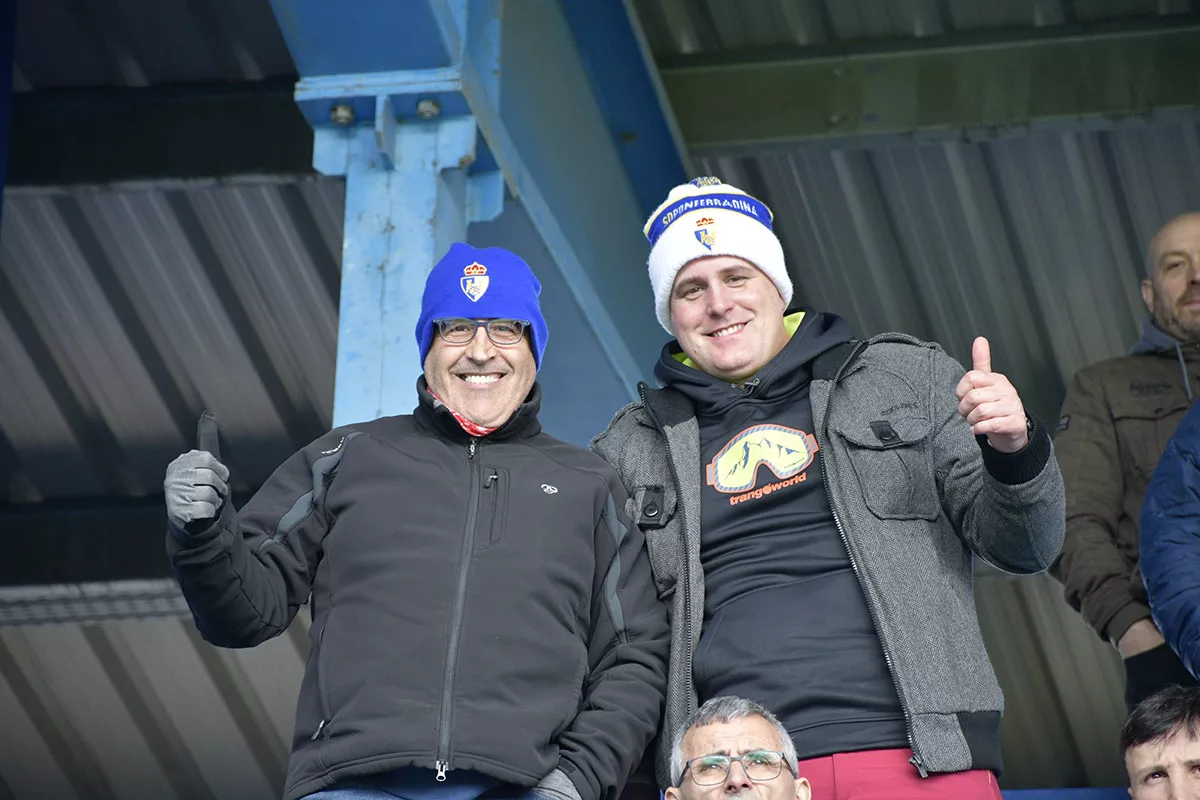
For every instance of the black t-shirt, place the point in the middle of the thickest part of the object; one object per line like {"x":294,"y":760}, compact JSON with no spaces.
{"x":785,"y":620}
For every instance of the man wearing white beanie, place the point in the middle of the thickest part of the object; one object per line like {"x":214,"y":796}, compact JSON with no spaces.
{"x":812,"y":504}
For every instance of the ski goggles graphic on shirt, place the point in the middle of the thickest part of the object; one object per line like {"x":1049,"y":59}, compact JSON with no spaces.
{"x":785,"y":451}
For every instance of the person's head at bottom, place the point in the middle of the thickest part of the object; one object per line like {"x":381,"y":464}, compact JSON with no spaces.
{"x":1161,"y":744}
{"x":481,"y":334}
{"x":733,"y":747}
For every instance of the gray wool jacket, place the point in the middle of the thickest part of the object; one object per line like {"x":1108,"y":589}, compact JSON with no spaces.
{"x":913,"y":501}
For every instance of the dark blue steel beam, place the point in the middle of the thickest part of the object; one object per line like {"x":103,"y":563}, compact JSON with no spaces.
{"x":623,"y":77}
{"x":361,"y":36}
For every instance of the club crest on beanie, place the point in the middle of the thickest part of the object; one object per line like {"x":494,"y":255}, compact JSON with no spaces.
{"x":481,"y":283}
{"x":706,"y":217}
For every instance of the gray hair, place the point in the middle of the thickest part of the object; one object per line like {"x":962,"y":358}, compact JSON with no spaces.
{"x":725,"y":710}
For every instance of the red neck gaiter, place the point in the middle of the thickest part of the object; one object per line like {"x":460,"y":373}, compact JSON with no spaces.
{"x":472,"y":428}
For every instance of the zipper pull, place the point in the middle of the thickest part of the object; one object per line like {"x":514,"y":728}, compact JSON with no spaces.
{"x":317,"y":732}
{"x":491,"y":478}
{"x":441,"y":766}
{"x":920,"y":765}
{"x":471,"y":449}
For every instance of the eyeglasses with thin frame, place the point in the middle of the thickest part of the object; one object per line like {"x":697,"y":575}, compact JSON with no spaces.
{"x":710,"y":770}
{"x":502,"y":332}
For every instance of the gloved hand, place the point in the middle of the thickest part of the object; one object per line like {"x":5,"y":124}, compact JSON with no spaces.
{"x":195,"y":485}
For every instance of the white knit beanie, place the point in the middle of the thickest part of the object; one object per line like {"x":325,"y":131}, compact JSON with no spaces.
{"x":708,"y":218}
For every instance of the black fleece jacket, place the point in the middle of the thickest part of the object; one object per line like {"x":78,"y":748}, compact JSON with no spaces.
{"x":477,"y":604}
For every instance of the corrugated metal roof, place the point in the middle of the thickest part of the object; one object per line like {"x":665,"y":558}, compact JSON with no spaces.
{"x":140,"y":708}
{"x":80,"y":43}
{"x":125,"y":313}
{"x":689,"y":27}
{"x":1035,"y":242}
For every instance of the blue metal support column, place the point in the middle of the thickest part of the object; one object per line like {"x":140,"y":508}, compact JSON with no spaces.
{"x":407,"y":148}
{"x":408,"y":198}
{"x":434,"y":63}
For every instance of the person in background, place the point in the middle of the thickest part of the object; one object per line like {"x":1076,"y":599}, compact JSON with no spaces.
{"x":731,"y":747}
{"x":1170,"y":543}
{"x":1116,"y":420}
{"x":1161,"y":745}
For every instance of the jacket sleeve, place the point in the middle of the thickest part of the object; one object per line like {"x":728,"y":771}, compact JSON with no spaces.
{"x":246,"y":575}
{"x":1008,"y":508}
{"x":627,"y":654}
{"x":1169,"y":539}
{"x":1098,"y":579}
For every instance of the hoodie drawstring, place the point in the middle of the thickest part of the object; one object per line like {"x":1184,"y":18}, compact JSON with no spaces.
{"x":1187,"y":384}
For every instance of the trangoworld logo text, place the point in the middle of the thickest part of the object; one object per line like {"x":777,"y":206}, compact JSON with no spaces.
{"x":787,"y":452}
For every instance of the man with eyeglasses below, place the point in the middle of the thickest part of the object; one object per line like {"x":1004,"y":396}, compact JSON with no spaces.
{"x":484,"y":621}
{"x":732,"y":747}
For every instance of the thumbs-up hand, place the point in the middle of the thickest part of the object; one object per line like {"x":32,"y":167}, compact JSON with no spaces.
{"x":195,"y":485}
{"x":990,"y":403}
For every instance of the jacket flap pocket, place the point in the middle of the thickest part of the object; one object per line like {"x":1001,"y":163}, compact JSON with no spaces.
{"x":885,"y":432}
{"x":893,"y":466}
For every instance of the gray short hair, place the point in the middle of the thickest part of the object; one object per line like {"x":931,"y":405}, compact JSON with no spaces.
{"x":724,"y":710}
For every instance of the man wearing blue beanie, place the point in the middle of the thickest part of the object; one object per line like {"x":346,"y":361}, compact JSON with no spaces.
{"x":484,"y":620}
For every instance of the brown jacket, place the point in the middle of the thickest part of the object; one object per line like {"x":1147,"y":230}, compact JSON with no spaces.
{"x":1116,"y":420}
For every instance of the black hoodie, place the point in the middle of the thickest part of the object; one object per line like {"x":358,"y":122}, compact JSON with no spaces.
{"x":785,"y":620}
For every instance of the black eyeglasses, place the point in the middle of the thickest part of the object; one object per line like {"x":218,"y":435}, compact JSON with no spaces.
{"x":760,"y":765}
{"x":459,"y":330}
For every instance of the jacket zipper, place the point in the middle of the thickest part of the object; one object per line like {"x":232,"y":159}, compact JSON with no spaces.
{"x":690,"y":690}
{"x":325,"y":712}
{"x":887,"y":656}
{"x":442,"y":762}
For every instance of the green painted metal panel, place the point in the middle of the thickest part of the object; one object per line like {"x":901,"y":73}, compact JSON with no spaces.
{"x":974,"y":89}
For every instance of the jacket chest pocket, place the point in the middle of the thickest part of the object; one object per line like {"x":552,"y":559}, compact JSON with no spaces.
{"x":653,"y":508}
{"x":493,"y":506}
{"x":893,"y":466}
{"x":1144,"y":425}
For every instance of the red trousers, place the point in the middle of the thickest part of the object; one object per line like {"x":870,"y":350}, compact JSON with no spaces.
{"x":887,"y":775}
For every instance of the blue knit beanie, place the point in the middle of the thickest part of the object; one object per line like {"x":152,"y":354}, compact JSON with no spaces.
{"x":481,"y":284}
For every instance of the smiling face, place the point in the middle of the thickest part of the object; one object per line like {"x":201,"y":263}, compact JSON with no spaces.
{"x":481,"y":380}
{"x":1172,"y":292}
{"x":727,"y":316}
{"x":1165,"y":769}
